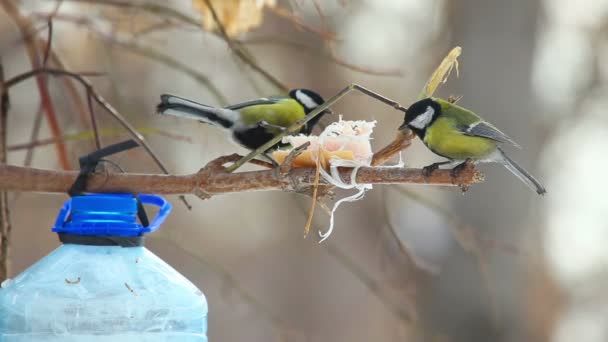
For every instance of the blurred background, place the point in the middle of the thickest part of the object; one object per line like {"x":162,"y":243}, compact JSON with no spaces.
{"x":406,"y":263}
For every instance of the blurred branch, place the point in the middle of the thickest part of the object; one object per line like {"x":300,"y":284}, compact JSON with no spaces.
{"x":214,"y":179}
{"x":280,"y":324}
{"x":151,"y":7}
{"x":286,"y":14}
{"x":165,"y":11}
{"x":134,"y":46}
{"x":332,"y":56}
{"x":243,"y":54}
{"x":5,"y":224}
{"x":407,"y":315}
{"x":467,"y":239}
{"x":98,"y":98}
{"x":103,"y":103}
{"x":27,"y":32}
{"x":88,"y":135}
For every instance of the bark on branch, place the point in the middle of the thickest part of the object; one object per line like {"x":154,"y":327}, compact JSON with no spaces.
{"x":213,"y":179}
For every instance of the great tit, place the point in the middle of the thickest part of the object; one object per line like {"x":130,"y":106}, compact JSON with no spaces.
{"x":458,"y":134}
{"x":251,"y":123}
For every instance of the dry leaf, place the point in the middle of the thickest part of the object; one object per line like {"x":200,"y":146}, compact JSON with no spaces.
{"x":236,"y":16}
{"x":442,"y":72}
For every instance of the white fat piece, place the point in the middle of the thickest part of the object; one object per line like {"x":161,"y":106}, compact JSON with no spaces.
{"x":306,"y":100}
{"x":424,"y":119}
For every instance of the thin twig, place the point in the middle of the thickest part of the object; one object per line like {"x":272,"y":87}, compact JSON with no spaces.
{"x":29,"y":154}
{"x":5,"y":224}
{"x":107,"y":132}
{"x":278,"y":321}
{"x":467,"y":239}
{"x":242,"y":53}
{"x":99,"y":99}
{"x":332,"y":56}
{"x":403,"y":314}
{"x":286,"y":14}
{"x":134,"y":46}
{"x":407,"y":316}
{"x":105,"y":105}
{"x":49,"y":41}
{"x":94,"y":125}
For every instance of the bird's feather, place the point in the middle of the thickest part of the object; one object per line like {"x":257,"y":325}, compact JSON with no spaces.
{"x":260,"y":101}
{"x":184,"y":108}
{"x":520,"y":172}
{"x":486,"y":130}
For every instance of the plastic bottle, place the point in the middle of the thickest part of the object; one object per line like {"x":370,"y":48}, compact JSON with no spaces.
{"x":93,"y":289}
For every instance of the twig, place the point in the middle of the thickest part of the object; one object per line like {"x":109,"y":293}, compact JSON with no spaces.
{"x":25,"y":27}
{"x":214,"y":179}
{"x":99,"y":99}
{"x":29,"y":154}
{"x":105,"y":105}
{"x":5,"y":224}
{"x":134,"y":46}
{"x":278,"y":322}
{"x":332,"y":56}
{"x":86,"y":135}
{"x":150,"y":7}
{"x":407,"y":316}
{"x":94,"y":125}
{"x":467,"y":239}
{"x":283,"y":13}
{"x":242,"y":53}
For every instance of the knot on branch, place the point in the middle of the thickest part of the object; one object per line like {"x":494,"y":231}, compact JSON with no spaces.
{"x":213,"y":168}
{"x":466,"y":174}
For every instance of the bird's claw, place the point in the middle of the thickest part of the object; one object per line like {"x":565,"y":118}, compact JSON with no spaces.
{"x":456,"y":170}
{"x":428,"y":170}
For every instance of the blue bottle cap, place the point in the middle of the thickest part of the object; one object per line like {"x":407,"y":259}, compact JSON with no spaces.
{"x":108,"y":215}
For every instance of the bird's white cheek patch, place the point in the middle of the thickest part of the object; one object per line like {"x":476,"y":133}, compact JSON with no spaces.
{"x":424,"y":119}
{"x":306,"y":100}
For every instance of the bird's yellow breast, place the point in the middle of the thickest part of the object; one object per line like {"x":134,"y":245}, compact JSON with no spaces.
{"x":283,"y":113}
{"x":442,"y":138}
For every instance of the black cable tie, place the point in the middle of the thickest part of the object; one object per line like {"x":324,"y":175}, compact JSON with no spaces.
{"x":88,"y":164}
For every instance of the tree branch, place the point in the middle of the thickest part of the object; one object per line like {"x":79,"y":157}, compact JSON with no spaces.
{"x":214,"y":179}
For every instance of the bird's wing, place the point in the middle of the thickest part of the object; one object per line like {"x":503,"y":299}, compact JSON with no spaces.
{"x":486,"y":130}
{"x":260,"y":101}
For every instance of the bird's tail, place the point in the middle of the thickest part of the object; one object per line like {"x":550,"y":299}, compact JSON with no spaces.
{"x":522,"y":174}
{"x":183,"y":108}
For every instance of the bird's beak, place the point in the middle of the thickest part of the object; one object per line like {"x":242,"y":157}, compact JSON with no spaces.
{"x":403,"y":126}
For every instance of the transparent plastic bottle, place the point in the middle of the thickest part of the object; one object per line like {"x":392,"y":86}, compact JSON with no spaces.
{"x":94,"y":288}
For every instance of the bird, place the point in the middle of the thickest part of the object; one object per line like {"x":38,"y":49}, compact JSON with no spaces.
{"x":460,"y":135}
{"x":251,"y":123}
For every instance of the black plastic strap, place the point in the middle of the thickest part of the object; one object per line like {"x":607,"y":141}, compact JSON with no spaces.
{"x":88,"y":164}
{"x":123,"y":241}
